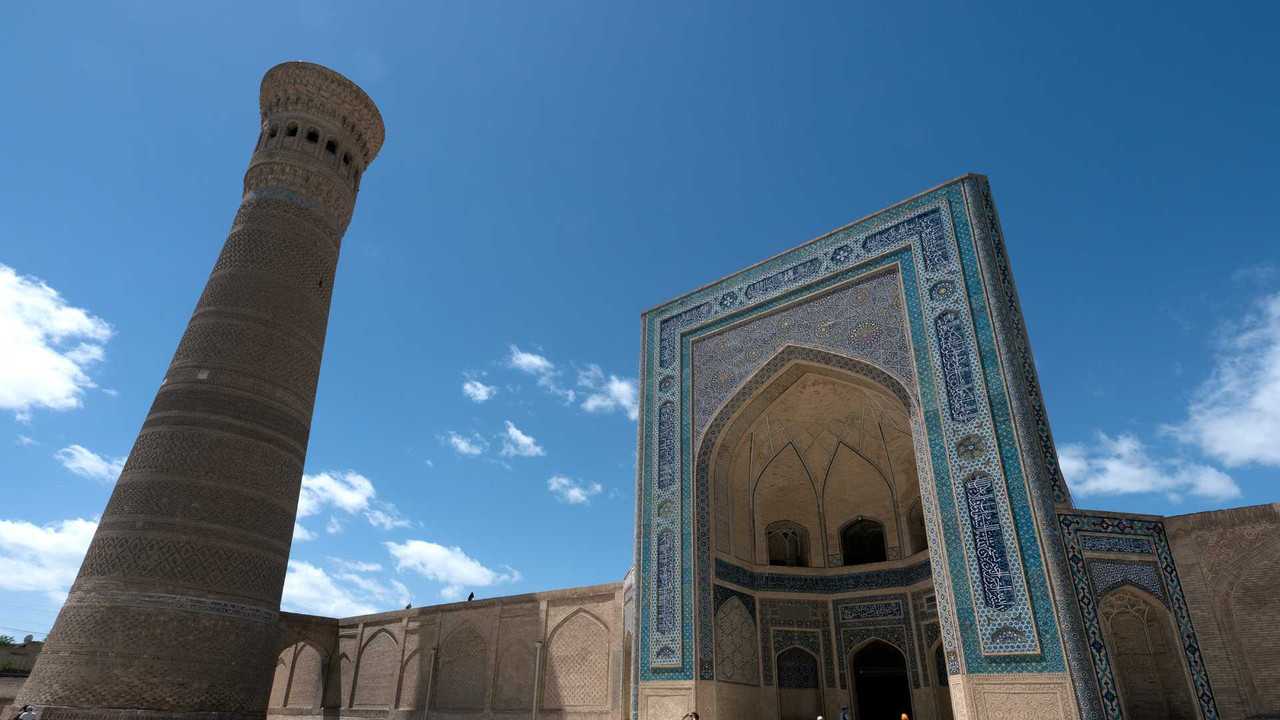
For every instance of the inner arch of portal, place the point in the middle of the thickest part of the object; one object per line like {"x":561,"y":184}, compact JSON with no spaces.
{"x":826,"y":443}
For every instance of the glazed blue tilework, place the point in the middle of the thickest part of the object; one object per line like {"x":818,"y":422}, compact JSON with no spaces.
{"x":881,"y":617}
{"x":869,"y":610}
{"x":1117,"y":544}
{"x":861,"y":318}
{"x":797,"y":670}
{"x":724,"y":593}
{"x":954,"y":262}
{"x":1074,"y":527}
{"x":821,"y":584}
{"x":957,"y":366}
{"x":1107,"y":575}
{"x":791,"y":622}
{"x":988,"y":539}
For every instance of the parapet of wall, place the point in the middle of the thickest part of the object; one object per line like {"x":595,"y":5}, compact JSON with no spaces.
{"x":561,"y":651}
{"x":1229,"y":563}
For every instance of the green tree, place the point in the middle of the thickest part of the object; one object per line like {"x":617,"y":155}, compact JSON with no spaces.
{"x":6,"y":640}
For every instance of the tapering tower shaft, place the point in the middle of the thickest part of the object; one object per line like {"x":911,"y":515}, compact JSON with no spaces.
{"x":174,"y":611}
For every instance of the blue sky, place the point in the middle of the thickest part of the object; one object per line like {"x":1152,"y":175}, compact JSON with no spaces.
{"x":551,"y":170}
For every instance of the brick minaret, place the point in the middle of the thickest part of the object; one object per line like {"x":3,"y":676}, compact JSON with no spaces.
{"x":174,"y":611}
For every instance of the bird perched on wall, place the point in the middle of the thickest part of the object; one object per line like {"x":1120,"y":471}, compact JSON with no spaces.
{"x":471,"y":596}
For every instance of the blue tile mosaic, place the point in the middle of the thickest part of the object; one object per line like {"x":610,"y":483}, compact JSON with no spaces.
{"x":877,"y":617}
{"x":1117,"y":544}
{"x":784,"y":623}
{"x":821,"y":584}
{"x":1108,"y":575}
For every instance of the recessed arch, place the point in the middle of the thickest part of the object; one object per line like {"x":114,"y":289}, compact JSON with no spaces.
{"x":726,"y":431}
{"x":377,"y":671}
{"x":1145,"y":651}
{"x":577,"y":663}
{"x":798,"y":672}
{"x":462,"y":670}
{"x":306,"y":681}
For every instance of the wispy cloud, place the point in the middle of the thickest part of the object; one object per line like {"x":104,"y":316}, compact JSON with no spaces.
{"x":347,"y":492}
{"x":86,"y":463}
{"x":26,"y":440}
{"x":448,"y":565}
{"x":301,"y":534}
{"x":1122,"y":465}
{"x":355,"y":565}
{"x":471,"y":445}
{"x":50,"y":346}
{"x":1234,"y":416}
{"x":545,"y":371}
{"x":607,"y":394}
{"x":516,"y":443}
{"x":478,"y":391}
{"x":45,"y":559}
{"x":573,"y":492}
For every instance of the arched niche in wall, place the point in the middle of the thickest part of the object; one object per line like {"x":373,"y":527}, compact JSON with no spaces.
{"x":462,"y":671}
{"x":799,"y":684}
{"x":1146,"y":656}
{"x":307,"y":681}
{"x":377,"y":671}
{"x":577,"y":666}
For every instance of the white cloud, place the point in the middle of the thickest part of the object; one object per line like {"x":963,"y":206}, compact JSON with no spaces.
{"x":43,"y":559}
{"x":517,"y":443}
{"x":86,"y":463}
{"x":26,"y":440}
{"x":1234,"y":416}
{"x":571,"y":491}
{"x":309,"y":589}
{"x":478,"y":391}
{"x":386,"y":520}
{"x":448,"y":565}
{"x":472,"y":446}
{"x":49,"y":346}
{"x":356,"y":565}
{"x":531,"y":363}
{"x":348,"y":492}
{"x":1121,"y":465}
{"x":301,"y":534}
{"x":542,"y":369}
{"x":608,"y":394}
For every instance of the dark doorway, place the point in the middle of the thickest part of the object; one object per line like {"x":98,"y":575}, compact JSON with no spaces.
{"x":881,"y":688}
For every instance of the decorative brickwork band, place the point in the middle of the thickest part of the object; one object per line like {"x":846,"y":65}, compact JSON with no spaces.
{"x":173,"y":612}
